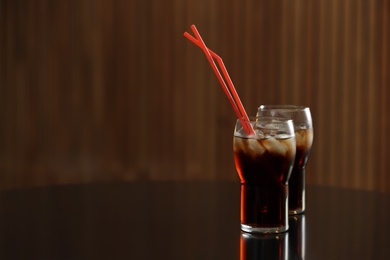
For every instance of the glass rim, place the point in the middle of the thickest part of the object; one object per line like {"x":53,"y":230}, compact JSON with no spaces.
{"x":276,"y":119}
{"x":284,"y":107}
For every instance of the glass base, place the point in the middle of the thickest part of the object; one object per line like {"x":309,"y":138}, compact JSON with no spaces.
{"x":263,"y":230}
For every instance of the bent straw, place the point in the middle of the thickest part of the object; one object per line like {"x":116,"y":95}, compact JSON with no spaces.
{"x":207,"y":52}
{"x":232,"y":89}
{"x":234,"y":100}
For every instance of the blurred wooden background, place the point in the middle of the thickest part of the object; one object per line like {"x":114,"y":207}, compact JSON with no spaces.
{"x":100,"y":90}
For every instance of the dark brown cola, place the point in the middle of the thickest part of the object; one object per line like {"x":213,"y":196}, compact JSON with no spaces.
{"x":264,"y":167}
{"x":304,"y":140}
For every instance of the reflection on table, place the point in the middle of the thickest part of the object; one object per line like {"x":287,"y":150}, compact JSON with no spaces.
{"x":283,"y":246}
{"x":184,"y":220}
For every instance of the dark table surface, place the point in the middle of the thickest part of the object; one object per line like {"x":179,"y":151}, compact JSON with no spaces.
{"x":184,"y":220}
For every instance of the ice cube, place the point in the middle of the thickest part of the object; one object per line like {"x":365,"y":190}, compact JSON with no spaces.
{"x":259,"y":133}
{"x":249,"y":146}
{"x":301,"y":126}
{"x":283,"y":136}
{"x":238,"y":144}
{"x":290,"y":145}
{"x":304,"y":137}
{"x":300,"y":138}
{"x":240,"y":132}
{"x":271,"y":126}
{"x":309,"y":137}
{"x":274,"y":146}
{"x":254,"y":148}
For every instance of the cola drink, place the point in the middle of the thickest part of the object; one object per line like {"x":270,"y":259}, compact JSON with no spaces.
{"x":304,"y":140}
{"x":303,"y":126}
{"x":264,"y":163}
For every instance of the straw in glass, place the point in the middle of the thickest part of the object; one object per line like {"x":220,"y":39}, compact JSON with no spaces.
{"x":229,"y":89}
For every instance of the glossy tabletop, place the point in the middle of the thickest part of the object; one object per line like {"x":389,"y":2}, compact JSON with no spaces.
{"x":184,"y":220}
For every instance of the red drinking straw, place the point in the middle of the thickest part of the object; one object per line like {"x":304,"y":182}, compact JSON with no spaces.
{"x":230,"y":92}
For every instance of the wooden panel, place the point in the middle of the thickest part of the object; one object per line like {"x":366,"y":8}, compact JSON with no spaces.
{"x":111,"y":90}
